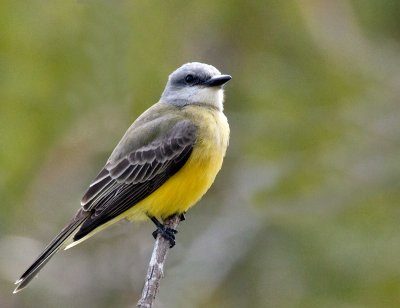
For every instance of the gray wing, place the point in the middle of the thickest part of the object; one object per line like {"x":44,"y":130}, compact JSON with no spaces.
{"x":122,"y":184}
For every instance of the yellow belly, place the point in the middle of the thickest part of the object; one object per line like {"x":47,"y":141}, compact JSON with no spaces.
{"x":182,"y":190}
{"x":192,"y":181}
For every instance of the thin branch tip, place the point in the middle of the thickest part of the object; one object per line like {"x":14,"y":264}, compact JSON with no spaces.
{"x":155,"y":270}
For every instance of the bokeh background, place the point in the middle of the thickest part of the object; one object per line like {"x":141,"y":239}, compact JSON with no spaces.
{"x":305,"y":212}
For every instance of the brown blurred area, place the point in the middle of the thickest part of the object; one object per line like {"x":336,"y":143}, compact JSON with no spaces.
{"x":305,"y":212}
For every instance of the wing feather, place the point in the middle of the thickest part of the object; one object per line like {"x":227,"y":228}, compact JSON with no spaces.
{"x":122,"y":184}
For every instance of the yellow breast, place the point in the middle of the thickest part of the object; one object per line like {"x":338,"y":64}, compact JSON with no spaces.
{"x":192,"y":181}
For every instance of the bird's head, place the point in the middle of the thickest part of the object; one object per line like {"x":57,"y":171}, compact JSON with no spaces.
{"x":195,"y":83}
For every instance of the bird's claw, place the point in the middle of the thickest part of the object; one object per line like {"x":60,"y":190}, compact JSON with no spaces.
{"x":167,"y":233}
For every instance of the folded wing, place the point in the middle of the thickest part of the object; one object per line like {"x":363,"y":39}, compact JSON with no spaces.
{"x":122,"y":184}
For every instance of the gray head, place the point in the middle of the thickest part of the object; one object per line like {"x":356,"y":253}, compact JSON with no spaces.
{"x":195,"y":83}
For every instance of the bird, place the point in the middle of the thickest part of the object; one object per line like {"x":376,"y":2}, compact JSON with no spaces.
{"x":165,"y":162}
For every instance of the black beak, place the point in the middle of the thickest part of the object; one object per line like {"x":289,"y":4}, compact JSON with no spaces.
{"x":217,"y":81}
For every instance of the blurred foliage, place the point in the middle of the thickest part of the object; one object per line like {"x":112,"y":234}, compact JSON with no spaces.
{"x":305,"y":211}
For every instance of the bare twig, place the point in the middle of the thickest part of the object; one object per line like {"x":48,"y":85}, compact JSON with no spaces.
{"x":156,"y":266}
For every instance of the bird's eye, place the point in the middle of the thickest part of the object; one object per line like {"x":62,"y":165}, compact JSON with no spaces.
{"x":189,"y":78}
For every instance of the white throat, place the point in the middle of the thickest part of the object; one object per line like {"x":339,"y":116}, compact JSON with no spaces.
{"x":210,"y":96}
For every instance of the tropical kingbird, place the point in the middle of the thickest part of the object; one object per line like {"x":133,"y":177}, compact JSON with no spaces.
{"x":163,"y":165}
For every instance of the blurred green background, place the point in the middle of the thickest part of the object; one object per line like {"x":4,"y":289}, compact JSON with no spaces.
{"x":305,"y":212}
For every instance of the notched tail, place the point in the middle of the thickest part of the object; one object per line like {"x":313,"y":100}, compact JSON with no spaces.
{"x":50,"y":250}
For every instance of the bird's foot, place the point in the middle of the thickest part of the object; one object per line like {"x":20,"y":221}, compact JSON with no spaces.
{"x":167,"y":233}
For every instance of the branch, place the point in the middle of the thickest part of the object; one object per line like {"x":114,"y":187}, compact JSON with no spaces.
{"x":156,"y":266}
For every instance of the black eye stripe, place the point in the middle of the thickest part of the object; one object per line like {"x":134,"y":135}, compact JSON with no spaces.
{"x":190,"y":79}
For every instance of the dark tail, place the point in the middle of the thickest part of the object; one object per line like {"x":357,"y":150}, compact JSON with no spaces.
{"x":50,"y":250}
